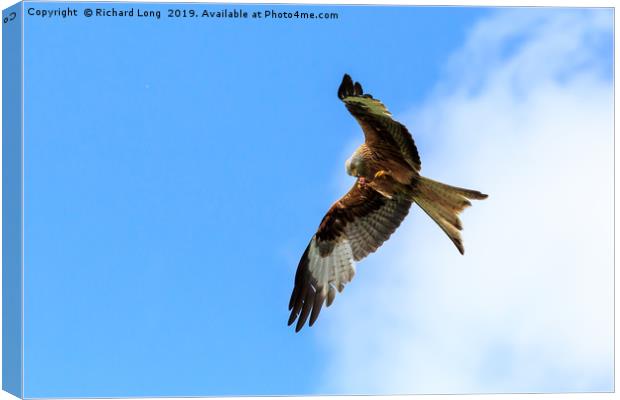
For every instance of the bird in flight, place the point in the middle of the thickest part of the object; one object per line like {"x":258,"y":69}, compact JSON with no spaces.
{"x":387,"y":168}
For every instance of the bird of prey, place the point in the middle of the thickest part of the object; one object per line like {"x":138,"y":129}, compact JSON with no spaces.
{"x":387,"y":168}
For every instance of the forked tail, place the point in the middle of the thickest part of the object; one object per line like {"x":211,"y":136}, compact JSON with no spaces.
{"x":443,"y":203}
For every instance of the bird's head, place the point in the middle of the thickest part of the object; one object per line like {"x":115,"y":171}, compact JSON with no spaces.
{"x":354,"y":165}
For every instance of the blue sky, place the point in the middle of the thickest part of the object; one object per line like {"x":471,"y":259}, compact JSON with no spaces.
{"x":176,"y":169}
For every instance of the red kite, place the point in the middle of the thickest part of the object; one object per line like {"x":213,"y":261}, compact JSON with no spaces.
{"x":387,"y":168}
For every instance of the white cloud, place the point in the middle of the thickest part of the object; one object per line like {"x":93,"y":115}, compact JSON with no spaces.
{"x":525,"y":114}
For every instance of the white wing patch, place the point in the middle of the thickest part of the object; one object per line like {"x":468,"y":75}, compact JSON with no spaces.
{"x":332,"y":272}
{"x":318,"y":278}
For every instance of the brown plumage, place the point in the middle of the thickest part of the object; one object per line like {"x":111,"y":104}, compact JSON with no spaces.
{"x":387,"y":169}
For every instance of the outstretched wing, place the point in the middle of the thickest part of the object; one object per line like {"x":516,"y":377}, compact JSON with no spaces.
{"x":355,"y":226}
{"x":376,"y":121}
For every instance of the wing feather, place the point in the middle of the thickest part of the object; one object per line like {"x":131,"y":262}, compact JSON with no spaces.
{"x":372,"y":230}
{"x":377,"y":123}
{"x":355,"y":226}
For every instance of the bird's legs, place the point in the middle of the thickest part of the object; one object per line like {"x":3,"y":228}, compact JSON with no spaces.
{"x":384,"y":183}
{"x":381,"y":174}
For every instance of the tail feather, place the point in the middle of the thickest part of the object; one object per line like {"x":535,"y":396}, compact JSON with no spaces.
{"x":449,"y":228}
{"x":443,"y":203}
